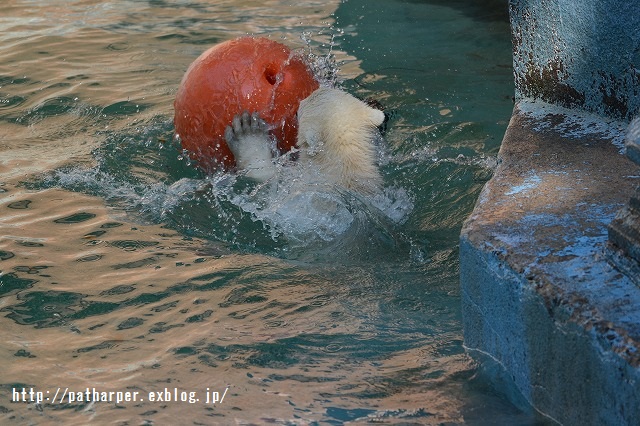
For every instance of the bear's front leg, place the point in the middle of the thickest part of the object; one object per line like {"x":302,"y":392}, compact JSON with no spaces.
{"x":249,"y":141}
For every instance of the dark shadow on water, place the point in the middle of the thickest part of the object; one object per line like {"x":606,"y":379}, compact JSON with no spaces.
{"x":487,"y":10}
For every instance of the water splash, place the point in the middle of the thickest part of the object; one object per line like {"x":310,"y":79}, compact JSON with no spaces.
{"x":296,"y":209}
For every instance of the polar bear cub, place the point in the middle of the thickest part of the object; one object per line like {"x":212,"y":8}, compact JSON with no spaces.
{"x":336,"y":133}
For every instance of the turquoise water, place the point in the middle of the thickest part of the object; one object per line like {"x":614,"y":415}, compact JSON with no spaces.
{"x":123,"y":269}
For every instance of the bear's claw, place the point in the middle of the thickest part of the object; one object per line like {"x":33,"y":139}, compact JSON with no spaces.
{"x":244,"y":124}
{"x":248,"y":139}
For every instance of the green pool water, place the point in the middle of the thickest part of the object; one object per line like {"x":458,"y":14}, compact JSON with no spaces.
{"x":124,"y":269}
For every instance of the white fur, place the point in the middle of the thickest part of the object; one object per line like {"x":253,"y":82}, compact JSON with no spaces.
{"x":336,"y":134}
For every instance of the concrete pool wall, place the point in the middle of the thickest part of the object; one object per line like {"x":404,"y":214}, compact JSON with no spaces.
{"x":552,"y":321}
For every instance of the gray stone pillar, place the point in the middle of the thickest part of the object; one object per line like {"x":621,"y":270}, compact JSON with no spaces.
{"x":578,"y":53}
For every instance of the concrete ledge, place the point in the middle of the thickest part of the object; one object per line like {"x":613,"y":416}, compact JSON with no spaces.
{"x":541,"y":304}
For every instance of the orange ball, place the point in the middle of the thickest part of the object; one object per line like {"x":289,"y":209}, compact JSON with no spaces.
{"x":251,"y":74}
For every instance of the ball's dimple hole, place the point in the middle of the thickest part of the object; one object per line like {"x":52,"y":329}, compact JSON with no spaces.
{"x":271,"y":73}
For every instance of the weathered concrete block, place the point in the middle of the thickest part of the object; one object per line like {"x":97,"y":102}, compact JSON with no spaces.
{"x":540,"y":302}
{"x":578,"y":53}
{"x":542,"y":307}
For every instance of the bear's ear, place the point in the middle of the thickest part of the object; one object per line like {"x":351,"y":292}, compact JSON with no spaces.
{"x":376,"y":116}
